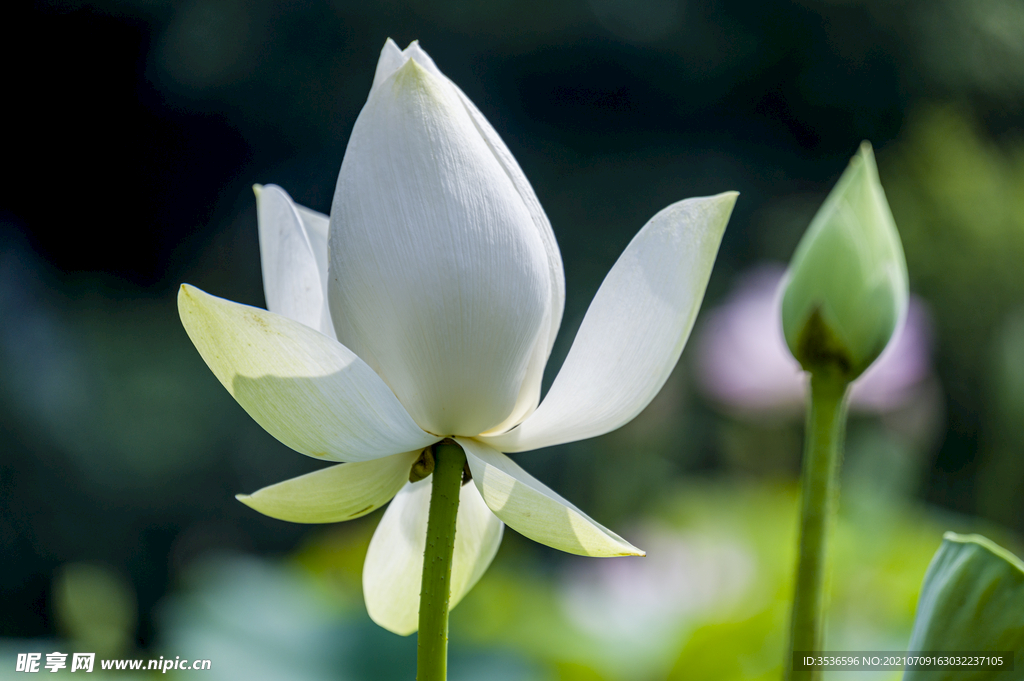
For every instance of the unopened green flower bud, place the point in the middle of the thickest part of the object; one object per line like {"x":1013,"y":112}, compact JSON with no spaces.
{"x":847,"y":288}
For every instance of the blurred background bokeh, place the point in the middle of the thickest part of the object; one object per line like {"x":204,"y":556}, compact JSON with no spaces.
{"x":135,"y":129}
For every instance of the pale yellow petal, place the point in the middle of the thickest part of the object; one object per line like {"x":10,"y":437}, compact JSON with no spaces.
{"x":331,"y":495}
{"x":308,"y":391}
{"x":529,"y":507}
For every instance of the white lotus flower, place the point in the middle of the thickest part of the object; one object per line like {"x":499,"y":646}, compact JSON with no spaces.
{"x":426,"y":308}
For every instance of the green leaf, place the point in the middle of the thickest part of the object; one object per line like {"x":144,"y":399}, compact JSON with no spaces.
{"x":972,"y":599}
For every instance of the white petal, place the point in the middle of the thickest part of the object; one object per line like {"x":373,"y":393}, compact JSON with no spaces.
{"x":393,"y":571}
{"x":532,"y":509}
{"x":529,"y":395}
{"x":634,"y":331}
{"x":310,"y":392}
{"x":393,"y":58}
{"x":293,"y":250}
{"x":440,"y":279}
{"x":331,"y":495}
{"x":529,"y":392}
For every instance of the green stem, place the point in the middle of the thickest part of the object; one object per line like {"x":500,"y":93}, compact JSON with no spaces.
{"x":826,"y":422}
{"x":432,"y":643}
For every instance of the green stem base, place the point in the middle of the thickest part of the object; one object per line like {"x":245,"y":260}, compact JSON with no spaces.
{"x":432,"y":640}
{"x":826,"y":423}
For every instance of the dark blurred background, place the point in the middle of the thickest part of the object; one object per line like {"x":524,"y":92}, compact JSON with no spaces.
{"x":137,"y":127}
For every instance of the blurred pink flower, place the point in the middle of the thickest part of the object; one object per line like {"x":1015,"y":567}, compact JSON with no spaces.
{"x":744,"y":365}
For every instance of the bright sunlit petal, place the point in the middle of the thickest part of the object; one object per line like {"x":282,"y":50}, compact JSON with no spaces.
{"x":634,"y":330}
{"x":442,"y":284}
{"x":308,"y":391}
{"x":331,"y":495}
{"x":529,"y":394}
{"x":529,"y":507}
{"x":393,"y":571}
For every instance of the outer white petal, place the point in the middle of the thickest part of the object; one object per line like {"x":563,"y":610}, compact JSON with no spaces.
{"x":440,"y":280}
{"x":534,"y":510}
{"x":635,"y":329}
{"x":393,"y":571}
{"x":529,"y":395}
{"x":310,"y":392}
{"x":293,"y":251}
{"x":331,"y":495}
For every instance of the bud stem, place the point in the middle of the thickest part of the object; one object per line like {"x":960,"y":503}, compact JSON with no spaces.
{"x":432,"y":642}
{"x":826,"y":423}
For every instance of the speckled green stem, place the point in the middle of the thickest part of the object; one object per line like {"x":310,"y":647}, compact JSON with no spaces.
{"x":432,"y":644}
{"x":826,"y":423}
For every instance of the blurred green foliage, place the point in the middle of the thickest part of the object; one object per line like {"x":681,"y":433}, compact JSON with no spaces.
{"x":959,"y":203}
{"x":1001,"y":479}
{"x":95,"y":609}
{"x":958,"y":198}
